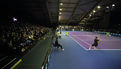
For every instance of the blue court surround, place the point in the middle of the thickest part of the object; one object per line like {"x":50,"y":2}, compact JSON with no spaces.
{"x":75,"y":57}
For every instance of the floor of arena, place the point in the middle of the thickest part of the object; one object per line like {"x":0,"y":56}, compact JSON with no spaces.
{"x":77,"y":56}
{"x":85,"y":39}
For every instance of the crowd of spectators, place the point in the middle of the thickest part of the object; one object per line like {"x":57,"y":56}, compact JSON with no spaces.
{"x":16,"y":38}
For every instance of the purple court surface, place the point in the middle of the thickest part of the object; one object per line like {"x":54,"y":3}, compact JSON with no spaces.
{"x":85,"y":39}
{"x":76,"y":55}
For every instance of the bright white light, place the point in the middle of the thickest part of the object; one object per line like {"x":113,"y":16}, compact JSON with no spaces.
{"x":61,"y":9}
{"x":98,"y":7}
{"x":59,"y":18}
{"x":42,"y":67}
{"x":90,"y":15}
{"x":14,"y":19}
{"x":61,"y":3}
{"x":113,"y":4}
{"x":107,"y":7}
{"x":60,"y":13}
{"x":94,"y":11}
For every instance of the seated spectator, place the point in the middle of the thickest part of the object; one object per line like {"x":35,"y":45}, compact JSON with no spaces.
{"x":56,"y":44}
{"x":18,"y":37}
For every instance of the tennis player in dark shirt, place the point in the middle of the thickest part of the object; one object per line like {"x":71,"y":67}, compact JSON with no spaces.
{"x":95,"y":44}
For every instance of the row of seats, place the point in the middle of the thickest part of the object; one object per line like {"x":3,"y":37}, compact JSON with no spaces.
{"x":16,"y":38}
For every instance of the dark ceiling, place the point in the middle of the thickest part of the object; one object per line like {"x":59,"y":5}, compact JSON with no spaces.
{"x":34,"y":11}
{"x":51,"y":12}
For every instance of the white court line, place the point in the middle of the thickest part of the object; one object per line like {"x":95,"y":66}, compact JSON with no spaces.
{"x":85,"y":42}
{"x":79,"y":43}
{"x":8,"y":63}
{"x":85,"y":35}
{"x":97,"y":49}
{"x":106,"y":49}
{"x":90,"y":44}
{"x":3,"y":58}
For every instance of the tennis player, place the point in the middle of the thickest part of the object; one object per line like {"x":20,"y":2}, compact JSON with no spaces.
{"x":95,"y":44}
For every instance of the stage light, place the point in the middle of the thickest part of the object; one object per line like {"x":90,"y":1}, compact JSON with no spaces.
{"x":15,"y":19}
{"x":60,"y":13}
{"x":94,"y":11}
{"x":113,"y":5}
{"x":61,"y":9}
{"x":98,"y":7}
{"x":59,"y":18}
{"x":61,"y":4}
{"x":107,"y":7}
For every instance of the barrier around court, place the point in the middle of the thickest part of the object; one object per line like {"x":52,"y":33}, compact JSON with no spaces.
{"x":14,"y":63}
{"x":18,"y":62}
{"x":108,"y":33}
